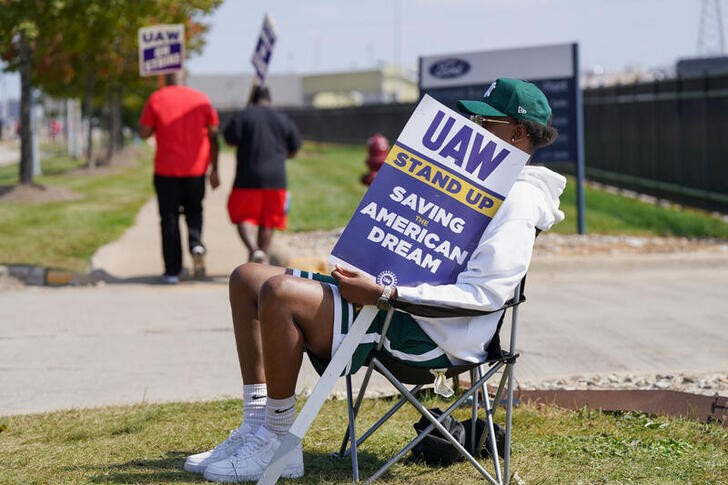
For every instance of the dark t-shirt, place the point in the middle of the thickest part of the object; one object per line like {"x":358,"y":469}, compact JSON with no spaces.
{"x":264,"y":138}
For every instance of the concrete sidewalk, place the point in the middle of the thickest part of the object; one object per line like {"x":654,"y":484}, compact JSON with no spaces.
{"x":137,"y":255}
{"x":134,"y":341}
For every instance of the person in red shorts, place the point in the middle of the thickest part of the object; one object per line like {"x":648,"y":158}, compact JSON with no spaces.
{"x":184,"y":125}
{"x":257,"y":205}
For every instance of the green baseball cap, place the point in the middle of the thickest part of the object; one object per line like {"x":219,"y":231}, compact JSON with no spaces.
{"x":510,"y":97}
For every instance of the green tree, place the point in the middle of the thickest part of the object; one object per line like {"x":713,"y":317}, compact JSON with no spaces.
{"x":22,"y":24}
{"x":88,"y":49}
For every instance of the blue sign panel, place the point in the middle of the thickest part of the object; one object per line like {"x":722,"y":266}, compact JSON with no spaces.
{"x":425,"y":212}
{"x":552,"y":68}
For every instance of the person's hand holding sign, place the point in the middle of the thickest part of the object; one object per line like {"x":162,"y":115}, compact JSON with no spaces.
{"x":356,"y":287}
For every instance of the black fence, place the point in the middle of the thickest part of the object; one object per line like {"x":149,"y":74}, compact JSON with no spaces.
{"x":347,"y":125}
{"x":666,"y":138}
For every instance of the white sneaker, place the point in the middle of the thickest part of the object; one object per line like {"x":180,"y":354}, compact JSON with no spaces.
{"x":258,"y":256}
{"x":250,"y":461}
{"x":197,"y":463}
{"x":198,"y":261}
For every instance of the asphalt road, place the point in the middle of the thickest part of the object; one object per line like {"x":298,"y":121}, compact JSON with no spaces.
{"x":141,"y":342}
{"x":134,"y":341}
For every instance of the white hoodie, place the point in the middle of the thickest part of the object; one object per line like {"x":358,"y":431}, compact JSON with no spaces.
{"x":496,"y":266}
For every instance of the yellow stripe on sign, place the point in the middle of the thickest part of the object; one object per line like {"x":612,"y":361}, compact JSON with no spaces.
{"x":446,"y":182}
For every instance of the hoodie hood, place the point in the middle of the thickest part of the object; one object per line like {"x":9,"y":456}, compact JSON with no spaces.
{"x":551,"y":184}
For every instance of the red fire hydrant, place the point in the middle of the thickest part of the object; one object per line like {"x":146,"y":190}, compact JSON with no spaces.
{"x":378,"y":147}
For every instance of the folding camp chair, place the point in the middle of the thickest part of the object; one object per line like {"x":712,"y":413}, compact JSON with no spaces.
{"x":400,"y":373}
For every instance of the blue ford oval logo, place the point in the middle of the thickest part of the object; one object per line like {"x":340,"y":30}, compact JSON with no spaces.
{"x":449,"y":68}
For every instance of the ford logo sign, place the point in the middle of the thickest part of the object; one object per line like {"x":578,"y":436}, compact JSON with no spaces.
{"x":449,"y":68}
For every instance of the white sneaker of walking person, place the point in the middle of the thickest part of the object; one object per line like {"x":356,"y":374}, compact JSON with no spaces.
{"x":250,"y":461}
{"x":237,"y":438}
{"x":198,"y":261}
{"x":258,"y":256}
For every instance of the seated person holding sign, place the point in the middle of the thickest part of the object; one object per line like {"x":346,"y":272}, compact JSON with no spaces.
{"x":279,"y":313}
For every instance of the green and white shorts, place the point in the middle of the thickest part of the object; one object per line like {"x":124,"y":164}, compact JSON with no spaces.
{"x":405,"y":340}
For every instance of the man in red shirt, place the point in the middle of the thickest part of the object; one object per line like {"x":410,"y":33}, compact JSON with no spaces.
{"x":184,"y":124}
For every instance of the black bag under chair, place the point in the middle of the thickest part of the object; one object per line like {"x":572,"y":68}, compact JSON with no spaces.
{"x":455,"y":440}
{"x":436,"y":450}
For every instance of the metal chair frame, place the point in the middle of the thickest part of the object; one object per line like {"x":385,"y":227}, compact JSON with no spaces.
{"x":477,"y":391}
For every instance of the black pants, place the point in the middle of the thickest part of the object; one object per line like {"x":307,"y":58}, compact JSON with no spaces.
{"x":177,"y":195}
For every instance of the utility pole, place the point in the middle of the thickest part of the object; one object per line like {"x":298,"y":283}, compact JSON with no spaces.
{"x":710,"y":31}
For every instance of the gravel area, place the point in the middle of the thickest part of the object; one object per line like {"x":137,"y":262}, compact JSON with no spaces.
{"x":706,"y":384}
{"x":320,"y":243}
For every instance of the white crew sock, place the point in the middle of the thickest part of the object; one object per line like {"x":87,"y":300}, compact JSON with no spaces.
{"x":254,"y":399}
{"x":280,"y":415}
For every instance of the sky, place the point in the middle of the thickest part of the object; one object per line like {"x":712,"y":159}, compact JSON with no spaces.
{"x":337,"y":35}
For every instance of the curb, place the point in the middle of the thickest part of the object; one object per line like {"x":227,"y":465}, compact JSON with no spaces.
{"x":32,"y":275}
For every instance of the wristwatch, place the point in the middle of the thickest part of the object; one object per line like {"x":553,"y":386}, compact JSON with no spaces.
{"x":383,"y":301}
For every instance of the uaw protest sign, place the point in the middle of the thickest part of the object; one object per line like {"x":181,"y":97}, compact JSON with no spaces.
{"x":161,"y":49}
{"x":441,"y":184}
{"x":264,"y":49}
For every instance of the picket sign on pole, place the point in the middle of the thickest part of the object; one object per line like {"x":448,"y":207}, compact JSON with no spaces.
{"x":161,"y":49}
{"x":262,"y":54}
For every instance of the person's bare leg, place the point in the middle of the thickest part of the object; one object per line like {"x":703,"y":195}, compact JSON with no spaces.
{"x":265,"y":237}
{"x":248,"y":234}
{"x":293,"y":311}
{"x":244,"y":287}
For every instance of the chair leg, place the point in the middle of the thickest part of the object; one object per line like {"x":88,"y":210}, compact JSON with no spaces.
{"x":474,"y":377}
{"x":344,"y":451}
{"x":359,"y":398}
{"x":492,"y":444}
{"x":351,"y":431}
{"x":509,"y":413}
{"x":434,"y":423}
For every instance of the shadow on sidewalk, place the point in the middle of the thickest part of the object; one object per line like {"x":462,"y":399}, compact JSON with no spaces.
{"x":101,"y":275}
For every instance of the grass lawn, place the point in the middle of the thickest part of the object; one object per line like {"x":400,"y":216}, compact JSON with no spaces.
{"x":148,"y":444}
{"x":324,"y":184}
{"x":66,"y":233}
{"x":325,"y":190}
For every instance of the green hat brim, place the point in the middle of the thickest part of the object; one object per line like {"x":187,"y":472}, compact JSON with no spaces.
{"x":478,"y":108}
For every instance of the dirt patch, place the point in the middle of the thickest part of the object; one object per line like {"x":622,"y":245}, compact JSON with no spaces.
{"x":319,"y":243}
{"x":582,"y":245}
{"x":129,"y":156}
{"x":36,"y":193}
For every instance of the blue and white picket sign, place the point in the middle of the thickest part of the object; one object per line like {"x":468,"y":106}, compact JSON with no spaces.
{"x":161,"y":49}
{"x":264,"y":49}
{"x":441,"y":184}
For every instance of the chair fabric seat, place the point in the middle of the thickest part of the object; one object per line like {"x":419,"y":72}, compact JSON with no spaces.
{"x":409,"y":374}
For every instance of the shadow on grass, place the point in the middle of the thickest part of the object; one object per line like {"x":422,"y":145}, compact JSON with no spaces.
{"x":168,"y":469}
{"x":319,"y":468}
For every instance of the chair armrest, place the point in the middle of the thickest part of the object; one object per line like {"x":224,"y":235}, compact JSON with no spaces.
{"x":434,"y":311}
